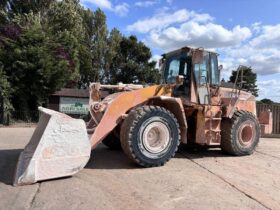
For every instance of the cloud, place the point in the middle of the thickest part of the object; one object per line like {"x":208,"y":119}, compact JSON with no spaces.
{"x":195,"y":34}
{"x":103,"y":4}
{"x":265,"y":88}
{"x":170,"y":30}
{"x":164,"y":19}
{"x":156,"y":58}
{"x":262,"y":61}
{"x":169,"y":1}
{"x":261,"y":52}
{"x":256,"y":27}
{"x":145,"y":3}
{"x":120,"y":9}
{"x":257,"y":45}
{"x":269,"y":83}
{"x":269,"y":37}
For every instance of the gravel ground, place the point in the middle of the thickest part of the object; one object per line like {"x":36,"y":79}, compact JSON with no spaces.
{"x":191,"y":180}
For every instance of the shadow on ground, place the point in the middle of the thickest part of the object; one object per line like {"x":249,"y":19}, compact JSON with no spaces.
{"x":104,"y":158}
{"x":8,"y":161}
{"x":101,"y":158}
{"x":198,"y":152}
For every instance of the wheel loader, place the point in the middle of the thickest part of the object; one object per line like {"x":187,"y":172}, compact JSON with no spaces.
{"x":149,"y":122}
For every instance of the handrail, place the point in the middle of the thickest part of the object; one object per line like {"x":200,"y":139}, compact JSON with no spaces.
{"x":235,"y":89}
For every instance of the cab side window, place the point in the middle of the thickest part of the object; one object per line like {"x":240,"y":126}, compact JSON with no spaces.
{"x":215,"y":80}
{"x":201,"y":70}
{"x":174,"y":67}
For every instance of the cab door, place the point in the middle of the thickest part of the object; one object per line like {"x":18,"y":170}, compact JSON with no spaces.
{"x":201,"y":70}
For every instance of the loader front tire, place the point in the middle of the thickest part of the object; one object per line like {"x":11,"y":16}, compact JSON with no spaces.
{"x":240,"y":134}
{"x":150,"y":135}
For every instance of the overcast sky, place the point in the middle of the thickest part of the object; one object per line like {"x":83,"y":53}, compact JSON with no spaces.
{"x":242,"y":31}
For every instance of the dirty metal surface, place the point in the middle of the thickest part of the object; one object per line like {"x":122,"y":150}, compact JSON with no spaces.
{"x":58,"y":147}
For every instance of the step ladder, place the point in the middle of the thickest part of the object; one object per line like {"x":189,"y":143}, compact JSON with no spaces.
{"x":213,"y":127}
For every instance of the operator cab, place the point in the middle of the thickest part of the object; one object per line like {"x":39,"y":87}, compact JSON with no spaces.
{"x":193,"y":72}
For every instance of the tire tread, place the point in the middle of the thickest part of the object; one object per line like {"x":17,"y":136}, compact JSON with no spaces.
{"x":228,"y":131}
{"x":128,"y":127}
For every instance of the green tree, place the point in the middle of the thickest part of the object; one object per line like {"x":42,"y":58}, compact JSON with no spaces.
{"x":47,"y":45}
{"x":3,"y":15}
{"x":85,"y":55}
{"x":34,"y":63}
{"x":249,"y":78}
{"x":99,"y":45}
{"x":132,"y":63}
{"x":113,"y":47}
{"x":267,"y":101}
{"x":66,"y":25}
{"x":65,"y":16}
{"x":15,"y":7}
{"x":5,"y":94}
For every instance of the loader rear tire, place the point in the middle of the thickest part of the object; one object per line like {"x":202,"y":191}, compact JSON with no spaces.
{"x":240,"y":134}
{"x":150,"y":136}
{"x":112,"y":141}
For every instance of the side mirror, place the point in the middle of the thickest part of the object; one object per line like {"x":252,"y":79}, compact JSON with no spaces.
{"x":220,"y":68}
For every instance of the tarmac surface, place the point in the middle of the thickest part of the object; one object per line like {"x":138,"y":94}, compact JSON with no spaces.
{"x":191,"y":180}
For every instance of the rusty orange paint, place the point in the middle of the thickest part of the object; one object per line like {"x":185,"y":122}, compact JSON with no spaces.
{"x":120,"y":105}
{"x":245,"y":101}
{"x":265,"y":119}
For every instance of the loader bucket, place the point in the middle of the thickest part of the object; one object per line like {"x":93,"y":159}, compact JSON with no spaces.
{"x":59,"y":147}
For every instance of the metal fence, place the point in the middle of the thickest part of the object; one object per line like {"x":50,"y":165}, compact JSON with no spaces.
{"x":275,"y":109}
{"x":31,"y":118}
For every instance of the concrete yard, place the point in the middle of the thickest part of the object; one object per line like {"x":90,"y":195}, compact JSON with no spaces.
{"x":191,"y":180}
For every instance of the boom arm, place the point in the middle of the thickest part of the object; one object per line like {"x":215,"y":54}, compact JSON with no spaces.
{"x":118,"y":107}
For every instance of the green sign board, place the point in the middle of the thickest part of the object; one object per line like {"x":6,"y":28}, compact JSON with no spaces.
{"x":71,"y":105}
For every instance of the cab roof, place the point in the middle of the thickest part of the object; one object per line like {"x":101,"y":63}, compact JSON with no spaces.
{"x":186,"y":49}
